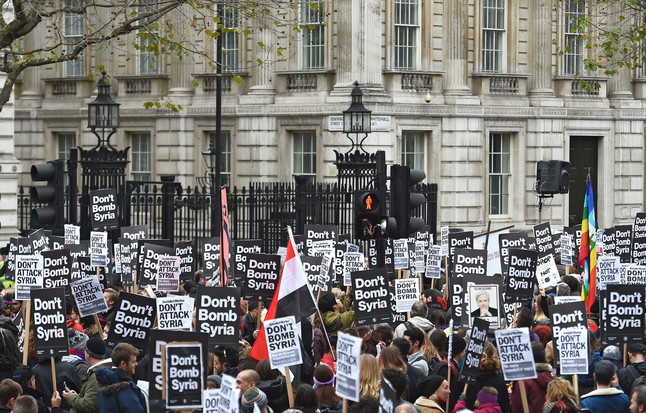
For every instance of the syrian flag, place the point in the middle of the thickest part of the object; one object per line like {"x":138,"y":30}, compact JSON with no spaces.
{"x":292,"y":297}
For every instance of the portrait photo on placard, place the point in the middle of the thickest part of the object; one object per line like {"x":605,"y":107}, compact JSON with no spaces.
{"x":484,"y":303}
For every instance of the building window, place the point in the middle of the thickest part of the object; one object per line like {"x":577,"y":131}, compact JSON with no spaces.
{"x":305,"y":154}
{"x":140,"y":167}
{"x":148,"y":61}
{"x":499,"y":173}
{"x":413,"y":150}
{"x":73,"y":36}
{"x":225,"y":167}
{"x":230,"y":39}
{"x":573,"y":50}
{"x":64,"y":142}
{"x":406,"y":33}
{"x":493,"y":35}
{"x":312,"y":26}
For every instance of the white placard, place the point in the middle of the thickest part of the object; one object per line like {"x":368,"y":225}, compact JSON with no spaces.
{"x":348,"y":351}
{"x":547,"y":274}
{"x":608,"y":270}
{"x":175,"y":312}
{"x":400,"y":253}
{"x":516,"y":355}
{"x":168,"y":273}
{"x":562,"y":299}
{"x":434,"y":261}
{"x":211,"y":401}
{"x":282,"y":342}
{"x":566,"y":249}
{"x":72,"y":234}
{"x":406,"y":293}
{"x":352,"y":261}
{"x":88,"y":294}
{"x":29,"y":275}
{"x":573,"y":350}
{"x":98,"y":248}
{"x":229,"y":395}
{"x":444,"y":240}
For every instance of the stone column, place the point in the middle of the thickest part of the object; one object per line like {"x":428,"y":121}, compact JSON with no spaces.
{"x":540,"y":46}
{"x":32,"y":90}
{"x":455,"y":15}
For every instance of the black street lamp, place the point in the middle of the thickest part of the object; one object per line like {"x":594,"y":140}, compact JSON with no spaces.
{"x":103,"y":112}
{"x":211,"y":160}
{"x":356,"y":119}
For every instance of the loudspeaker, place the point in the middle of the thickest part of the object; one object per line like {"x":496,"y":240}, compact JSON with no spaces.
{"x":552,"y":177}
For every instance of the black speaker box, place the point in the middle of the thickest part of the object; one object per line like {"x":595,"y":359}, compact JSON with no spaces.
{"x":552,"y":177}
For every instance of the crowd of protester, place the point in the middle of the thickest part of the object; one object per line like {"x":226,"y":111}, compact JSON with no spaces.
{"x":411,"y":356}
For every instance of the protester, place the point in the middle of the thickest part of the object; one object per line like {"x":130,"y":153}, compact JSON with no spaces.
{"x":489,"y":375}
{"x":251,"y":397}
{"x":486,"y":401}
{"x":399,"y":383}
{"x":247,"y":379}
{"x":415,"y":355}
{"x":459,"y":347}
{"x":26,"y":404}
{"x":111,"y":297}
{"x":116,"y":389}
{"x":418,"y":319}
{"x":305,"y":400}
{"x":365,"y":405}
{"x":213,"y":381}
{"x":608,"y":397}
{"x":637,"y":367}
{"x":272,"y":383}
{"x":330,"y":356}
{"x":434,"y":392}
{"x":250,"y":322}
{"x":9,"y":392}
{"x":329,"y":402}
{"x":535,"y":388}
{"x":336,"y":316}
{"x":560,"y":397}
{"x":65,"y":375}
{"x":24,"y":376}
{"x":430,"y":353}
{"x":369,"y":376}
{"x":396,"y":357}
{"x":9,"y":353}
{"x":225,"y":361}
{"x":613,"y":355}
{"x":638,"y":400}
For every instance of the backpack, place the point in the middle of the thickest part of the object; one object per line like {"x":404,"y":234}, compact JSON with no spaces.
{"x":637,"y":379}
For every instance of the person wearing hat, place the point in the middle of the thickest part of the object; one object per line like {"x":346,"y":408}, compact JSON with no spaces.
{"x":86,"y":401}
{"x":613,"y":355}
{"x":24,"y":376}
{"x":336,"y":316}
{"x":636,"y":368}
{"x":486,"y":401}
{"x":434,"y":392}
{"x":250,"y":322}
{"x":607,"y":398}
{"x":213,"y":381}
{"x":254,"y":396}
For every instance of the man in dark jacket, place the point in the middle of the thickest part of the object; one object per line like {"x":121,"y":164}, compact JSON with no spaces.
{"x":86,"y":401}
{"x":117,"y":391}
{"x":637,"y":367}
{"x":250,"y":322}
{"x":607,"y":398}
{"x":65,"y":376}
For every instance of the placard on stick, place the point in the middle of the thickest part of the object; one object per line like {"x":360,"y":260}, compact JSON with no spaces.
{"x":516,"y":357}
{"x":168,"y":273}
{"x":133,"y":320}
{"x":50,"y":333}
{"x":29,"y":275}
{"x":175,"y":312}
{"x":88,"y":294}
{"x":282,"y":342}
{"x":183,"y":375}
{"x":624,"y":319}
{"x":406,"y":293}
{"x":218,"y":314}
{"x":573,"y":351}
{"x":262,"y":276}
{"x":103,"y":203}
{"x":371,"y":296}
{"x":348,"y":350}
{"x":471,"y":367}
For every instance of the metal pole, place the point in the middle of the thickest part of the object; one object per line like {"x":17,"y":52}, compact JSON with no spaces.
{"x":216,"y":202}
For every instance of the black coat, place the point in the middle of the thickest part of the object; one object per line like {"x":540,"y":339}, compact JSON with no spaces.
{"x":492,"y":379}
{"x":65,"y":375}
{"x":626,"y":378}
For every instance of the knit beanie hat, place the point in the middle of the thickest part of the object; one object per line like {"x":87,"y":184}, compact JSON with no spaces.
{"x":486,"y":397}
{"x":429,"y":385}
{"x":95,"y":347}
{"x":215,"y":378}
{"x":611,"y":353}
{"x":77,"y":340}
{"x":327,"y":302}
{"x":253,"y":396}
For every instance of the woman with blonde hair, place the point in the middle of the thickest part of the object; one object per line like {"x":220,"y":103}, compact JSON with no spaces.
{"x":430,"y":352}
{"x":369,"y":376}
{"x":560,"y":397}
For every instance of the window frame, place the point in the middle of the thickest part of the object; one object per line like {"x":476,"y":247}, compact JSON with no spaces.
{"x":136,"y":155}
{"x":145,"y":57}
{"x":577,"y":56}
{"x":418,"y":155}
{"x":412,"y":49}
{"x":313,"y":153}
{"x":230,"y":37}
{"x":498,"y":53}
{"x":73,"y":68}
{"x":226,"y":173}
{"x":63,"y":138}
{"x":503,"y":207}
{"x":312,"y":48}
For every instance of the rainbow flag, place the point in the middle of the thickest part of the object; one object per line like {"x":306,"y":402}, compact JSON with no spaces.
{"x":588,"y":251}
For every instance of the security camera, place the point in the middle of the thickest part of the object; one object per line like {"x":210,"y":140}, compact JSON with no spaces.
{"x":427,"y":98}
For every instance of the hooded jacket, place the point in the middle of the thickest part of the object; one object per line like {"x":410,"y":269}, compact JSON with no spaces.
{"x":276,"y":392}
{"x":626,"y":378}
{"x":335,"y":322}
{"x":118,"y":393}
{"x":417,"y":321}
{"x":611,"y":400}
{"x":535,"y":389}
{"x":483,"y":408}
{"x":428,"y":406}
{"x":86,"y":401}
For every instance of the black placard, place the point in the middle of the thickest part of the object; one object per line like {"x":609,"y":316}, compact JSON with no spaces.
{"x":521,"y":274}
{"x":157,"y":339}
{"x":147,"y":274}
{"x":103,"y":207}
{"x":639,"y":227}
{"x":210,"y":256}
{"x":262,"y":276}
{"x":185,"y":250}
{"x":638,"y":251}
{"x":387,"y":396}
{"x":126,"y":261}
{"x":218,"y":314}
{"x":470,"y":370}
{"x":563,"y":316}
{"x":624,"y":319}
{"x":86,"y":270}
{"x":543,"y":236}
{"x":462,"y":239}
{"x":623,"y":238}
{"x":371,"y":296}
{"x":39,"y":241}
{"x":397,"y":318}
{"x":10,"y":259}
{"x":56,"y":242}
{"x":609,"y":241}
{"x":57,"y":268}
{"x":184,"y":376}
{"x":133,"y":319}
{"x":241,"y":248}
{"x":312,"y":268}
{"x":513,"y":240}
{"x":134,"y":232}
{"x":319,"y":233}
{"x":50,"y":328}
{"x":469,"y":262}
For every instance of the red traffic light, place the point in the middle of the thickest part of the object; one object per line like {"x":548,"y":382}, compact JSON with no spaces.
{"x":369,"y":202}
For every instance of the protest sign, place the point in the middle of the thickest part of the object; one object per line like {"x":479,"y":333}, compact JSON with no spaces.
{"x":10,"y":259}
{"x":324,"y":279}
{"x":352,"y":261}
{"x":469,"y":262}
{"x":406,"y":293}
{"x":516,"y":357}
{"x":492,"y":240}
{"x":565,"y":316}
{"x":283,"y":342}
{"x":134,"y":232}
{"x":397,"y":318}
{"x":210,"y":256}
{"x":634,"y":274}
{"x":57,"y":268}
{"x":50,"y":328}
{"x":312,"y":268}
{"x":433,"y":262}
{"x":133,"y":319}
{"x":299,"y":242}
{"x":103,"y":206}
{"x":400,"y":254}
{"x":623,"y":239}
{"x":444,"y":240}
{"x":29,"y":275}
{"x":158,"y":338}
{"x":175,"y":312}
{"x":340,"y":248}
{"x":516,"y":240}
{"x":185,"y":250}
{"x":99,"y":249}
{"x":609,"y":241}
{"x":262,"y":276}
{"x":470,"y":370}
{"x":638,"y":251}
{"x":241,"y":248}
{"x":218,"y":314}
{"x":150,"y":257}
{"x":348,"y":350}
{"x":117,"y":258}
{"x":371,"y":296}
{"x":484,"y":303}
{"x":562,"y":299}
{"x":39,"y":241}
{"x":639,"y":227}
{"x":608,"y":270}
{"x":229,"y":395}
{"x":88,"y":295}
{"x":126,"y":262}
{"x":183,"y":375}
{"x":567,"y":244}
{"x":547,"y":274}
{"x":463,"y":240}
{"x":72,"y":234}
{"x":624,"y":319}
{"x":321,"y":248}
{"x":86,"y":270}
{"x":387,"y":396}
{"x":56,"y":242}
{"x":168,"y":272}
{"x":19,"y":322}
{"x":211,"y":401}
{"x":543,"y":236}
{"x":318,"y":233}
{"x":521,"y":274}
{"x":573,"y":350}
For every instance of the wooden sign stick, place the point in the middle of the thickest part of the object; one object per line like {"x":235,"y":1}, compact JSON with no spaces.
{"x":575,"y":383}
{"x":53,"y":374}
{"x":523,"y":396}
{"x":290,"y":389}
{"x":259,"y":314}
{"x":448,"y":380}
{"x":26,"y":309}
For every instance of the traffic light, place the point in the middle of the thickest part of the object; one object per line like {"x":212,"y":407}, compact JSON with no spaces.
{"x":403,"y":200}
{"x":369,"y":207}
{"x":52,"y":194}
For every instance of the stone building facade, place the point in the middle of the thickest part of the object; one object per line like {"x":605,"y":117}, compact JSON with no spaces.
{"x":503,"y":95}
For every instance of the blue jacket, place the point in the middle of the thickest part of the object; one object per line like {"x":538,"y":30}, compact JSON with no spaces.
{"x":611,"y":400}
{"x":118,"y":393}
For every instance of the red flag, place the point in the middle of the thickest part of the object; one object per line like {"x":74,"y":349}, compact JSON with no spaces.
{"x":292,"y":297}
{"x":224,"y":240}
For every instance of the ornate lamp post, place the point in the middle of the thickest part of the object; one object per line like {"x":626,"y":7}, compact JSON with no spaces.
{"x":356,"y":119}
{"x":103,"y":113}
{"x":211,"y":159}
